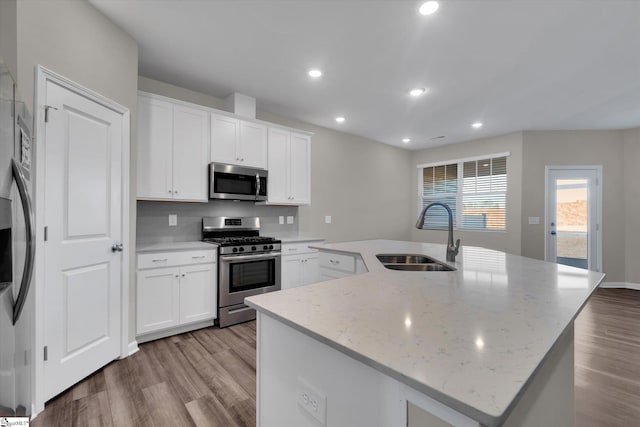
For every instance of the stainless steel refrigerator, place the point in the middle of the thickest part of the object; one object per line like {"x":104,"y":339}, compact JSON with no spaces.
{"x":17,"y":252}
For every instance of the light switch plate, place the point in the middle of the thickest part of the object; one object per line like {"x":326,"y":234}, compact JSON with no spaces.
{"x":327,"y":219}
{"x":534,"y":220}
{"x":281,"y":220}
{"x":289,"y":219}
{"x":173,"y":220}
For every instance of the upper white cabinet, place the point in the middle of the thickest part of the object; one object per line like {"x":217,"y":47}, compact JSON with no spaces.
{"x":173,"y":146}
{"x":289,"y":164}
{"x":238,"y":142}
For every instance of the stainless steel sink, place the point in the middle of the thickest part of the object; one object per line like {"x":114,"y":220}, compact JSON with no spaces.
{"x":419,"y":267}
{"x":412,"y":262}
{"x":404,"y":259}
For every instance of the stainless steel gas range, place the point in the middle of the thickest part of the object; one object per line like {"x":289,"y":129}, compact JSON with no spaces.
{"x":248,"y":264}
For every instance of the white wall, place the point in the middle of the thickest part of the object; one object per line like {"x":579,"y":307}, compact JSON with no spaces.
{"x":507,"y":241}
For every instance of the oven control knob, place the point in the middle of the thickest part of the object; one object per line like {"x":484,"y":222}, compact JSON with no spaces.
{"x":253,"y":248}
{"x":241,"y":249}
{"x":235,"y":249}
{"x":265,"y":247}
{"x":270,"y":246}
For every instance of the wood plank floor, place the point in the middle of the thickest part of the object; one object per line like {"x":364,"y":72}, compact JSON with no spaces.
{"x":207,"y":377}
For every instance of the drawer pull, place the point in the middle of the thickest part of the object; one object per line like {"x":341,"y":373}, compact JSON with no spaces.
{"x":293,"y":249}
{"x":159,"y":260}
{"x":334,"y":261}
{"x":198,"y":257}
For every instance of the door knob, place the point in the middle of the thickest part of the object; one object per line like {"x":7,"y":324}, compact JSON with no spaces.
{"x":117,"y":247}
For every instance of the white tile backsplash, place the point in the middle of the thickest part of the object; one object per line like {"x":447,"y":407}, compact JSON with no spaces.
{"x":152,"y":225}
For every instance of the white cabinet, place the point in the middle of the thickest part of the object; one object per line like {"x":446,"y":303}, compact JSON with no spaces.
{"x":299,"y":265}
{"x":175,"y":290}
{"x":289,"y":164}
{"x":173,"y":146}
{"x":158,"y":299}
{"x":335,"y":265}
{"x":238,"y":142}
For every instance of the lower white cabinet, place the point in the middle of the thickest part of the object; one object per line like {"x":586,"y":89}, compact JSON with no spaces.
{"x":180,"y":293}
{"x":299,"y":265}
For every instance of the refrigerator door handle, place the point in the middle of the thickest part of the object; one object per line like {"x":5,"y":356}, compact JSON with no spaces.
{"x":29,"y":259}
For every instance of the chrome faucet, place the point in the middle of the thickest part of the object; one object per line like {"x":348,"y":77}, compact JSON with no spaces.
{"x":452,"y":250}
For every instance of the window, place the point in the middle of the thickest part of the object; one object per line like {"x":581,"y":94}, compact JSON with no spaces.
{"x":475,"y":190}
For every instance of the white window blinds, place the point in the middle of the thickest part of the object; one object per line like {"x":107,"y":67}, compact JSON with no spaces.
{"x":474,"y":189}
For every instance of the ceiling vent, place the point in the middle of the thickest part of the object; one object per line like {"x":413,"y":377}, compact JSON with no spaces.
{"x":240,"y":104}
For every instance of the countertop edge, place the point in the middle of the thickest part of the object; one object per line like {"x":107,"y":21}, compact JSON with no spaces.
{"x":174,"y":247}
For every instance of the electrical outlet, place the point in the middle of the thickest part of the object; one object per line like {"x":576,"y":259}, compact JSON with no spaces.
{"x":289,"y":219}
{"x":281,"y":220}
{"x":173,"y":220}
{"x":327,"y":219}
{"x":312,"y":401}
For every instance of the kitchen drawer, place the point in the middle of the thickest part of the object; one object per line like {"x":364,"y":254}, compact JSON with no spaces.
{"x":329,"y":274}
{"x":171,"y":259}
{"x":296,"y":249}
{"x":341,"y":262}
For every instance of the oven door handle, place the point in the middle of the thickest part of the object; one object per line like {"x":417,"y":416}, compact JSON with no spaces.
{"x":239,"y":258}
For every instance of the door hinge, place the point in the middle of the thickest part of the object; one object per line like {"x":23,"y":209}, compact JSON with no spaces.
{"x":46,"y":112}
{"x":46,"y":233}
{"x":46,"y":353}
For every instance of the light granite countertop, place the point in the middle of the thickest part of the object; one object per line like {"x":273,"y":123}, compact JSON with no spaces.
{"x":174,"y":246}
{"x":470,"y":338}
{"x":295,"y":237}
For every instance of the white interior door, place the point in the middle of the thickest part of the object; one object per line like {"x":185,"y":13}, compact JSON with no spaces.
{"x":84,"y":215}
{"x":572,"y":218}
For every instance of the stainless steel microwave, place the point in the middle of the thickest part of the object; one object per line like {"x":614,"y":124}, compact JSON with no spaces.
{"x":237,"y":182}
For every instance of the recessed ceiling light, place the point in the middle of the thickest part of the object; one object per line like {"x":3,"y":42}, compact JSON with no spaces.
{"x":429,"y":8}
{"x":476,"y":125}
{"x":315,"y":73}
{"x":405,"y":140}
{"x":417,"y":91}
{"x":340,"y":119}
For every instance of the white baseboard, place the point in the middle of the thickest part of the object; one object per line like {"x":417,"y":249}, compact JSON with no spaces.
{"x":620,"y":285}
{"x":132,"y":348}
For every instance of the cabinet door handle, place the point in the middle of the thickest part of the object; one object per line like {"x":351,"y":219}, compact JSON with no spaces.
{"x":334,"y":261}
{"x":159,"y":260}
{"x":177,"y":276}
{"x":183,"y":274}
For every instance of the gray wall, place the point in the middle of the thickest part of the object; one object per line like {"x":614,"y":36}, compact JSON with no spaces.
{"x":360,"y":183}
{"x":576,"y":148}
{"x":618,"y":151}
{"x":507,"y":241}
{"x":72,"y":38}
{"x":631,"y":155}
{"x":8,"y":36}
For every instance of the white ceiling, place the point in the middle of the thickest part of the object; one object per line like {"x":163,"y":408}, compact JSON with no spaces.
{"x":513,"y":65}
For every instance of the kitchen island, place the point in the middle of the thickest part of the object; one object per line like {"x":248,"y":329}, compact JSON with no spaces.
{"x":490,"y":343}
